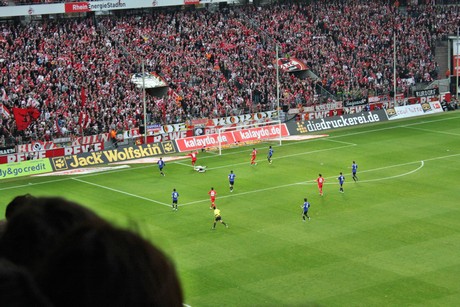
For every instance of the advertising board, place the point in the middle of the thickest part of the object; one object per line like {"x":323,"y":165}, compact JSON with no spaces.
{"x":26,"y":168}
{"x":112,"y":156}
{"x":336,"y":122}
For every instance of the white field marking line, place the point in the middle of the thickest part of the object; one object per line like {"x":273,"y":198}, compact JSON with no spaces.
{"x":394,"y":127}
{"x":81,"y":176}
{"x":396,"y":176}
{"x":442,"y":157}
{"x":29,"y":184}
{"x":180,"y":163}
{"x":391,"y":166}
{"x":429,"y":121}
{"x":154,"y":165}
{"x":307,"y":182}
{"x":433,"y":131}
{"x":216,"y":155}
{"x":288,"y":156}
{"x":314,"y":181}
{"x":330,"y":138}
{"x":422,"y":163}
{"x":289,"y":144}
{"x":146,"y":166}
{"x":121,"y":192}
{"x":340,"y":142}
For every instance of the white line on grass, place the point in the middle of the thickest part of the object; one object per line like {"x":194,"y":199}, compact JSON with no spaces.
{"x":180,"y":163}
{"x":279,"y":157}
{"x":121,"y":192}
{"x":289,"y":156}
{"x":341,"y":142}
{"x":259,"y":190}
{"x":29,"y":184}
{"x":432,"y":131}
{"x":333,"y":138}
{"x":314,"y":181}
{"x":422,"y":122}
{"x":396,"y":176}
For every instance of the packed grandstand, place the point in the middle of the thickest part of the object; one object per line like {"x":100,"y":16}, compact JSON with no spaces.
{"x":75,"y":73}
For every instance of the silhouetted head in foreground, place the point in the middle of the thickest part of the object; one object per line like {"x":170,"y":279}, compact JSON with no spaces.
{"x":35,"y":225}
{"x":101,"y":265}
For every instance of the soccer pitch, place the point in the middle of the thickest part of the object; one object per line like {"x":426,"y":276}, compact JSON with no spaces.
{"x":391,"y":239}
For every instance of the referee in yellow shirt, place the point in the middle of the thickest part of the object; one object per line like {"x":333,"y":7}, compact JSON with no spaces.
{"x":218,"y":218}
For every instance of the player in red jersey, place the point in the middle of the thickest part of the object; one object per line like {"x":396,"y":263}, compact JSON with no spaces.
{"x":212,"y":194}
{"x":320,"y":180}
{"x":193,"y":155}
{"x":253,"y":156}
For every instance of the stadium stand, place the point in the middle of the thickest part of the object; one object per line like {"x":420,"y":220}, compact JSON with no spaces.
{"x":77,"y":73}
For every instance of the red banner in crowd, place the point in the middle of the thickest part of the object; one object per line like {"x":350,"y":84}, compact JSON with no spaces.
{"x":24,"y":117}
{"x":291,"y":65}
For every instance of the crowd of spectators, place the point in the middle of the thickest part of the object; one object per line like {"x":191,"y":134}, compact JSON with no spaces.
{"x":77,"y":72}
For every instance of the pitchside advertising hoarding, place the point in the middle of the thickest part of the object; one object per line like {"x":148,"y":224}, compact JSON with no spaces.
{"x":336,"y":122}
{"x":112,"y":156}
{"x":32,"y":167}
{"x":156,"y":134}
{"x":233,"y":137}
{"x":49,"y":153}
{"x":414,"y":110}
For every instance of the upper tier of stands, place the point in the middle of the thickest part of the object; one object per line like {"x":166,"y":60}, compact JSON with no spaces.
{"x":216,"y":64}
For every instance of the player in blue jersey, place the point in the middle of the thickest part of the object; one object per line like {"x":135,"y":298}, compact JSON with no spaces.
{"x":270,"y":154}
{"x":354,"y":169}
{"x":175,"y":197}
{"x":231,"y":180}
{"x":341,"y":179}
{"x":305,"y":207}
{"x":161,"y":164}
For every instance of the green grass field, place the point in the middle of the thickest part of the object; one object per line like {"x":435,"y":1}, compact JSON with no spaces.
{"x":392,"y":239}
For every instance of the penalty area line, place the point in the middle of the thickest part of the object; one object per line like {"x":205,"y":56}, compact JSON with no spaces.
{"x":314,"y":181}
{"x":422,"y":164}
{"x":121,"y":192}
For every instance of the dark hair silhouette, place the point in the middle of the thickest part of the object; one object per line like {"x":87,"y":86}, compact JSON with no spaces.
{"x":35,"y":225}
{"x":101,"y":265}
{"x":18,"y":288}
{"x":17,"y":203}
{"x":79,"y":259}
